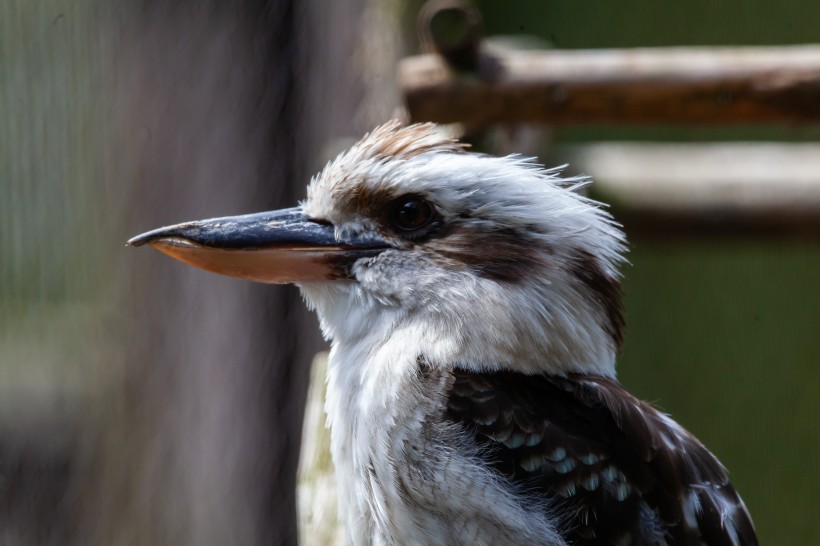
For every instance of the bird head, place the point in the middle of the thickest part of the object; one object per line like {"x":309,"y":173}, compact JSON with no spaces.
{"x":462,"y":257}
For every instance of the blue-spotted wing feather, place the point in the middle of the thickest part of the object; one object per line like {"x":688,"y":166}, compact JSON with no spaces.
{"x":617,"y":469}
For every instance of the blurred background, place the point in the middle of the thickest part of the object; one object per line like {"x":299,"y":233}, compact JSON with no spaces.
{"x":144,"y":402}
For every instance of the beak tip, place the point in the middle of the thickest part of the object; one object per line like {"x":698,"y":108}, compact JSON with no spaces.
{"x":139,"y":240}
{"x":150,"y":236}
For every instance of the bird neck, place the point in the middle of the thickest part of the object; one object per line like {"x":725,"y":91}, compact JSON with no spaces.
{"x":513,"y":331}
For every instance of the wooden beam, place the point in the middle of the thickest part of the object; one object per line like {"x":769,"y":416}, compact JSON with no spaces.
{"x":664,"y":85}
{"x":716,"y":189}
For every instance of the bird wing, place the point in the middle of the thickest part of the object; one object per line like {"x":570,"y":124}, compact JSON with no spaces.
{"x":619,"y":471}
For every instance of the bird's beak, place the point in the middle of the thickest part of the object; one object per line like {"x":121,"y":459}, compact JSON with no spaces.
{"x":277,"y":247}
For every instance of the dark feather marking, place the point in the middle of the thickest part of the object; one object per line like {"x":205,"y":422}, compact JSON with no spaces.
{"x":503,"y":255}
{"x":600,"y":452}
{"x":357,"y":197}
{"x":605,"y":289}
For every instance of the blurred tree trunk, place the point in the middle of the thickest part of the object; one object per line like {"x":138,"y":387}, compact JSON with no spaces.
{"x":205,"y":445}
{"x":188,"y":425}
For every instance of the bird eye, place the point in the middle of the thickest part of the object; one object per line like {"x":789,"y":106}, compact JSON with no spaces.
{"x":412,"y":213}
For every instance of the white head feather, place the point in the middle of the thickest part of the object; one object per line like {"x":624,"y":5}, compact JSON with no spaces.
{"x":521,"y":272}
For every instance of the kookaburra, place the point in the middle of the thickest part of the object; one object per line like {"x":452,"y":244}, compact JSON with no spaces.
{"x":474,"y":311}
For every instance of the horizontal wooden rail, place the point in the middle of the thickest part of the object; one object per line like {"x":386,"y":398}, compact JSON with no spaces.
{"x":716,"y":189}
{"x":664,"y":85}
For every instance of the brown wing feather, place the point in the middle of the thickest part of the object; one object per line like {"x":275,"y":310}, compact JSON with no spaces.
{"x":622,"y":472}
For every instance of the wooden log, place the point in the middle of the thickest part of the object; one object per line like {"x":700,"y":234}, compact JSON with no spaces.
{"x":662,"y":85}
{"x":717,"y":189}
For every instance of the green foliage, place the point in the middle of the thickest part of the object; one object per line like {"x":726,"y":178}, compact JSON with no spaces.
{"x":724,"y":337}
